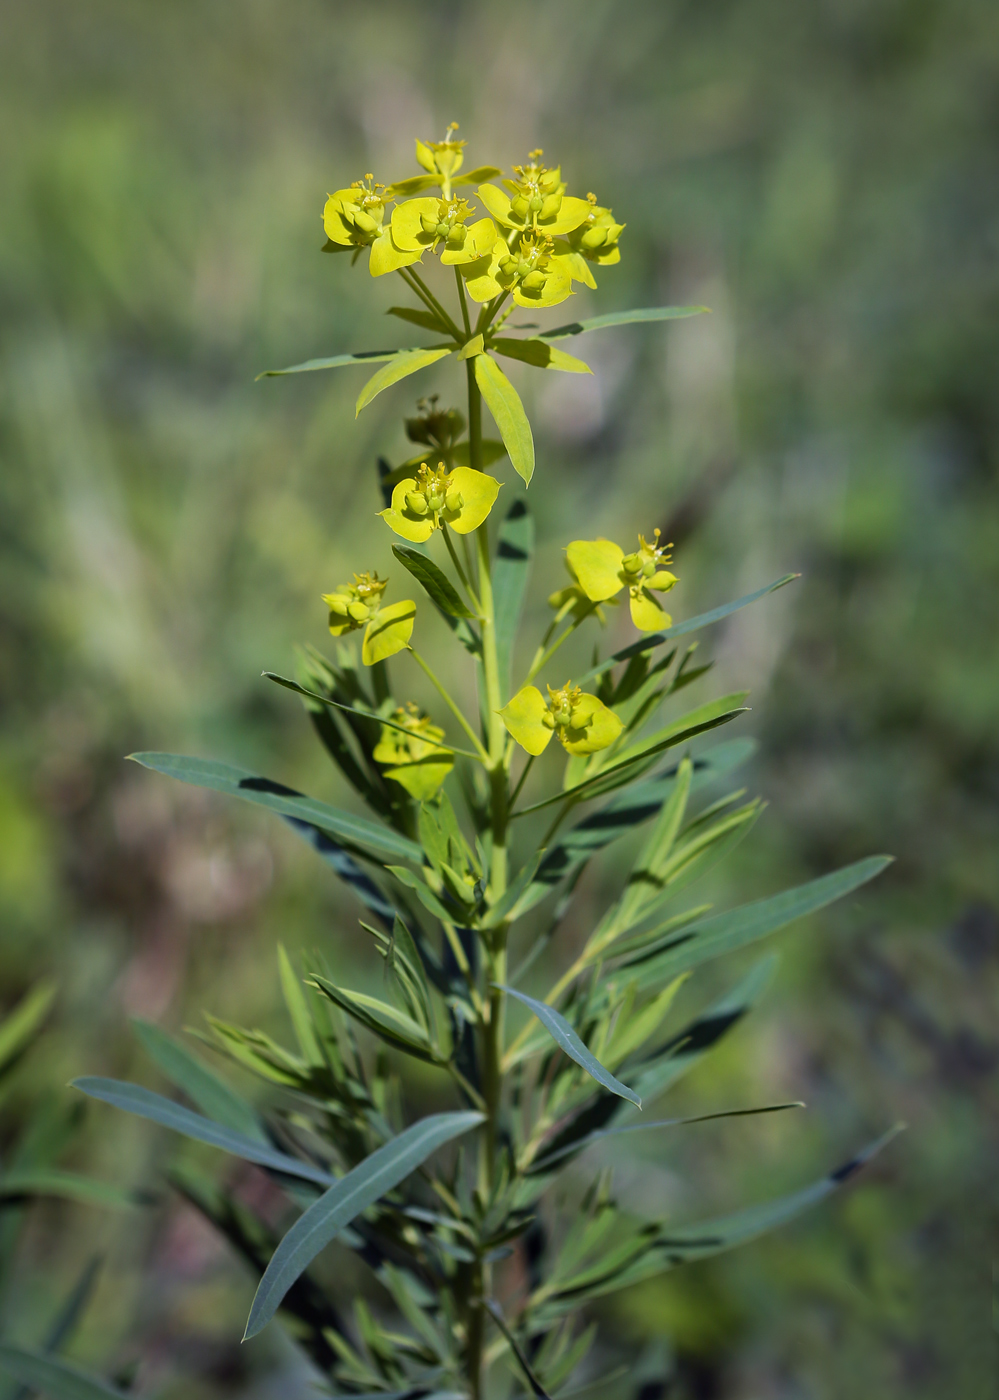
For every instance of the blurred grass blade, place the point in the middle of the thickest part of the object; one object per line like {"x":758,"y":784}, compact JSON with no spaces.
{"x":511,"y":570}
{"x":22,"y":1024}
{"x":359,"y":357}
{"x":504,"y":404}
{"x":48,"y":1181}
{"x":436,"y":584}
{"x":403,"y":364}
{"x":345,"y":1200}
{"x":145,"y":1104}
{"x":734,"y":929}
{"x":238,"y":782}
{"x":56,"y":1379}
{"x":566,"y":1039}
{"x":679,"y":629}
{"x":186,"y":1072}
{"x":624,"y":318}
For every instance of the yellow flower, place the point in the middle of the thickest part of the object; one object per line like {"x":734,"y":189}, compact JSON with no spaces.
{"x":358,"y":604}
{"x":355,"y":219}
{"x":594,"y":240}
{"x":536,"y":201}
{"x":435,"y":497}
{"x":416,"y":759}
{"x":526,"y":267}
{"x":583,"y":723}
{"x":424,"y":223}
{"x":601,"y":569}
{"x":443,"y":160}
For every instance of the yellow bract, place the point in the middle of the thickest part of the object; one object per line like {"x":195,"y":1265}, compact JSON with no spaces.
{"x":417,"y":758}
{"x":355,"y":219}
{"x":420,"y":224}
{"x":601,"y":569}
{"x":582,"y":722}
{"x":594,"y":240}
{"x":435,"y":497}
{"x":528,"y":268}
{"x":536,"y":201}
{"x":358,"y":604}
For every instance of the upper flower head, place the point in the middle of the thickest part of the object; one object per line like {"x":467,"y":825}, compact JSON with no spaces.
{"x":536,"y":200}
{"x":414,"y":752}
{"x":595,"y":240}
{"x":434,"y":497}
{"x":355,"y":218}
{"x":583,"y":723}
{"x":527,"y":267}
{"x":442,"y":157}
{"x":358,"y":604}
{"x":419,"y":224}
{"x":601,"y":569}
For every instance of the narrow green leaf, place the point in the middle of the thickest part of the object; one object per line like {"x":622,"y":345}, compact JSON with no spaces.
{"x":537,"y":353}
{"x":679,"y":629}
{"x":624,"y":318}
{"x":298,"y":1010}
{"x":238,"y":782}
{"x":504,"y":404}
{"x":724,"y":933}
{"x":145,"y":1104}
{"x":186,"y":1072}
{"x":405,"y":363}
{"x":566,"y":1038}
{"x":496,"y":1312}
{"x":56,"y":1379}
{"x":436,"y":583}
{"x":422,"y":891}
{"x":506,"y":906}
{"x":20,"y":1026}
{"x":383,"y":1020}
{"x":711,"y":710}
{"x":44,"y":1181}
{"x":471,"y":348}
{"x":511,"y":570}
{"x":345,"y":1200}
{"x":417,"y":316}
{"x":360,"y":357}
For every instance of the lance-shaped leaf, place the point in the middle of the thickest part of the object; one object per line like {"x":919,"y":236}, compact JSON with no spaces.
{"x":405,"y":363}
{"x":537,"y":353}
{"x":724,"y":933}
{"x":145,"y":1104}
{"x":186,"y":1072}
{"x":672,"y":1246}
{"x":422,"y":891}
{"x":358,"y":357}
{"x":238,"y":782}
{"x":566,"y":1039}
{"x":417,"y":316}
{"x":56,"y":1379}
{"x":624,"y":318}
{"x":385,"y":1021}
{"x":504,"y":404}
{"x":436,"y":584}
{"x":679,"y":629}
{"x":346,"y":867}
{"x":346,"y":1199}
{"x":48,"y":1181}
{"x":511,"y":570}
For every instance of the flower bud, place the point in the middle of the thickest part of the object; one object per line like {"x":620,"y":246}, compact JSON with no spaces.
{"x":632,"y":563}
{"x":337,"y":604}
{"x":519,"y":207}
{"x":454,"y":500}
{"x":535,"y":204}
{"x":416,"y":502}
{"x":534,"y":281}
{"x":364,"y":222}
{"x":428,"y":223}
{"x":358,"y":611}
{"x":523,"y":268}
{"x":551,"y":206}
{"x":456,"y":236}
{"x":508,"y":266}
{"x":594,"y":238}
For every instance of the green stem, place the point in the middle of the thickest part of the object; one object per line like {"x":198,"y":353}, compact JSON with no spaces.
{"x":459,"y":570}
{"x":521,"y":780}
{"x":428,"y":301}
{"x":426,"y":292}
{"x":546,"y":656}
{"x":474,"y":419}
{"x":455,"y":710}
{"x":463,"y":303}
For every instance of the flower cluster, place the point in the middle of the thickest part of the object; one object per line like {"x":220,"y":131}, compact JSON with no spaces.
{"x":600,"y":569}
{"x":582,"y":722}
{"x":359,"y":604}
{"x":533,"y":241}
{"x":412,"y":753}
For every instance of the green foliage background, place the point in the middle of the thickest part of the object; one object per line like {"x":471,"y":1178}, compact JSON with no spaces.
{"x":826,"y":178}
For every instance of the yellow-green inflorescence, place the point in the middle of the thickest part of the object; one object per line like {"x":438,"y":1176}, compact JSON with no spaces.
{"x":435,"y":497}
{"x":415,"y":758}
{"x":582,"y":722}
{"x":600,"y":570}
{"x":359,"y":604}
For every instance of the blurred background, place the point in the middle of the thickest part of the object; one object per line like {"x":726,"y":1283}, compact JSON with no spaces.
{"x":826,"y":178}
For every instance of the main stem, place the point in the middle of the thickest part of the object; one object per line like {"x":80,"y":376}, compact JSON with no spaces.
{"x":494,"y":953}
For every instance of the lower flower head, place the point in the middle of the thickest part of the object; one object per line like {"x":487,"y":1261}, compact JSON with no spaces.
{"x":411,"y":750}
{"x":359,"y":604}
{"x":600,"y":569}
{"x":435,"y":497}
{"x":582,"y":722}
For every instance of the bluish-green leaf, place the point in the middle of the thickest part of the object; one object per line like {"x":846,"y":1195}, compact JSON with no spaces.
{"x":566,"y":1039}
{"x":511,"y":570}
{"x":345,"y":1200}
{"x":405,"y":363}
{"x":504,"y":404}
{"x":145,"y":1104}
{"x":725,"y":933}
{"x":186,"y":1072}
{"x":56,"y":1379}
{"x":679,"y":629}
{"x":436,"y":583}
{"x":359,"y":357}
{"x":238,"y":782}
{"x":623,"y":318}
